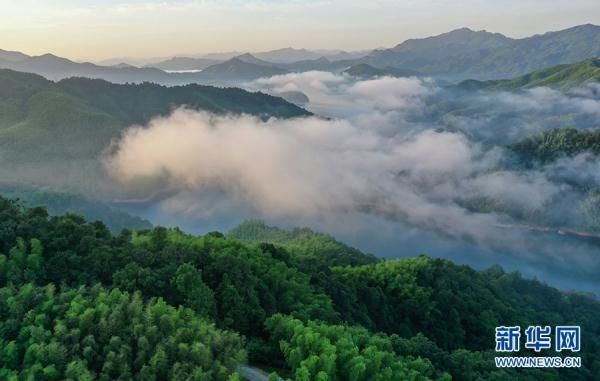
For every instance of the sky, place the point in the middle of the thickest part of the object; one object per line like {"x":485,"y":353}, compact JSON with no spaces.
{"x":96,"y":30}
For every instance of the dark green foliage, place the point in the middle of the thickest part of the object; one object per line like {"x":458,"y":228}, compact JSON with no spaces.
{"x":59,"y":203}
{"x":316,"y":351}
{"x":416,"y":318}
{"x":561,"y":76}
{"x":315,"y":249}
{"x":89,"y":334}
{"x":54,"y":132}
{"x":138,"y":103}
{"x":458,"y":308}
{"x":552,"y":144}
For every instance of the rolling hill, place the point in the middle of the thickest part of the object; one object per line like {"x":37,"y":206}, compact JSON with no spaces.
{"x":59,"y":203}
{"x":245,"y":67}
{"x":309,"y":246}
{"x":183,"y":63}
{"x":288,"y":58}
{"x":368,"y":71}
{"x":56,"y":68}
{"x":52,"y":132}
{"x":78,"y":302}
{"x":560,"y":76}
{"x":287,"y":55}
{"x":241,"y":68}
{"x":415,"y":52}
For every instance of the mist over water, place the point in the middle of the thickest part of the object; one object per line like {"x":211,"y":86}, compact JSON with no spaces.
{"x":389,"y":165}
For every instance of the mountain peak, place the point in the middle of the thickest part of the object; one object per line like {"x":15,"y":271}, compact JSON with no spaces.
{"x":12,"y":56}
{"x":461,"y":30}
{"x":249,"y":58}
{"x":245,"y":56}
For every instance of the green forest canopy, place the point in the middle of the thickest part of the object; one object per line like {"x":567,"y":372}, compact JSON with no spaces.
{"x":77,"y":117}
{"x":549,"y":145}
{"x":564,"y":76}
{"x":80,"y":303}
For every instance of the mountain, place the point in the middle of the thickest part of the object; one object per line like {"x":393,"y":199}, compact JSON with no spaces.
{"x":287,"y":55}
{"x":56,"y":68}
{"x":415,"y":52}
{"x":77,"y":302}
{"x":12,"y":56}
{"x":560,"y":76}
{"x":320,"y":64}
{"x":341,"y":55}
{"x":308,"y":245}
{"x":291,"y":55}
{"x":368,"y":71}
{"x":251,"y":59}
{"x":463,"y":53}
{"x":289,"y":58}
{"x":241,"y":68}
{"x":224,"y":56}
{"x":123,"y":65}
{"x":184,"y":63}
{"x":556,"y":143}
{"x":53,"y":132}
{"x":59,"y":203}
{"x":296,"y":97}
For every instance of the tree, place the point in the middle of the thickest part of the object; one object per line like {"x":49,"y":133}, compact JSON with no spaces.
{"x":197,"y":294}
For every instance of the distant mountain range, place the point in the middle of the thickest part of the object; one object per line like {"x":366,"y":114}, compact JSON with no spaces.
{"x":245,"y":67}
{"x":184,"y":63}
{"x":282,"y":57}
{"x":242,"y":68}
{"x":56,"y":68}
{"x":457,"y":55}
{"x":560,"y":76}
{"x":464,"y":53}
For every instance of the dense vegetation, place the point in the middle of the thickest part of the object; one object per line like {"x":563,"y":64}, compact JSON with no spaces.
{"x":62,"y":202}
{"x":314,"y":249}
{"x":552,"y":144}
{"x":92,"y":333}
{"x":561,"y":76}
{"x":80,"y":303}
{"x":53,"y":132}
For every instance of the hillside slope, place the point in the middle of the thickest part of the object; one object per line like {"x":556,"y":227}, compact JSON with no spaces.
{"x":53,"y":132}
{"x":564,"y":76}
{"x":242,"y":68}
{"x":427,"y":319}
{"x":463,"y":53}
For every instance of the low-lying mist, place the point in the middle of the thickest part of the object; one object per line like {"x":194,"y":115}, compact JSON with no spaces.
{"x":397,"y":166}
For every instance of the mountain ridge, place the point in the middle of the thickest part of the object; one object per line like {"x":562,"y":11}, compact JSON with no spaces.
{"x":487,"y":55}
{"x":563,"y":76}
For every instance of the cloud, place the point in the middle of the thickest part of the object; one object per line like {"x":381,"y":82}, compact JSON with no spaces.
{"x":383,"y":153}
{"x":313,"y":167}
{"x":389,"y":93}
{"x":398,"y":152}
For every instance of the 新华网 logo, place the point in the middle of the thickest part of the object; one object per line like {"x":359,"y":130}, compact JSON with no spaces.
{"x":538,"y":339}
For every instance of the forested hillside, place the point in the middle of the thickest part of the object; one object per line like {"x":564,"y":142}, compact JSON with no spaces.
{"x":566,"y":76}
{"x":314,"y":249}
{"x":79,"y":303}
{"x":53,"y":132}
{"x":550,"y":145}
{"x":62,"y":202}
